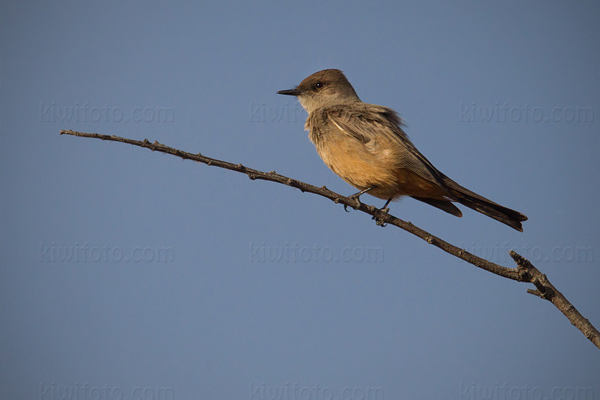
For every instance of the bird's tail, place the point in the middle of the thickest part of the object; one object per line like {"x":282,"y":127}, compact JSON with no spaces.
{"x":479,"y":203}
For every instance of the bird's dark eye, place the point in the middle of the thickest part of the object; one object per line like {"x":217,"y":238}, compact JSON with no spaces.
{"x":319,"y":85}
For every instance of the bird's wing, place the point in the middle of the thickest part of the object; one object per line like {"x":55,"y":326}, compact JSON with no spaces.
{"x":375,"y":126}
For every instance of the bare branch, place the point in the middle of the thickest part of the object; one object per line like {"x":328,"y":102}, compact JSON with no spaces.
{"x":525,"y":271}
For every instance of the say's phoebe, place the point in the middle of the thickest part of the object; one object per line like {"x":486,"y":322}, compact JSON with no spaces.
{"x":365,"y":145}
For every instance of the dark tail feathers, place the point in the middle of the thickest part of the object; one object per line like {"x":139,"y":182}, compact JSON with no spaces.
{"x":479,"y":203}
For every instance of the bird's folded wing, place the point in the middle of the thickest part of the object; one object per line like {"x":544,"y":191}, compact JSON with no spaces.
{"x":376,"y":126}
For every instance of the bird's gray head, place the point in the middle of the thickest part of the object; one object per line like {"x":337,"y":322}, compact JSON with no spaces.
{"x":324,"y":88}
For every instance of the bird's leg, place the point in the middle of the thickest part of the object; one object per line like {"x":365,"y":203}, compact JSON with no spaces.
{"x":384,"y":208}
{"x":356,"y":196}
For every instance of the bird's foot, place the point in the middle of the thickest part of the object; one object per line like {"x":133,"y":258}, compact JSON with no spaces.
{"x":356,"y":196}
{"x":379,"y":221}
{"x":384,"y":210}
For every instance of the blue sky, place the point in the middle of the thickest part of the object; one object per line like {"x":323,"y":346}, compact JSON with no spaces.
{"x":131,"y":274}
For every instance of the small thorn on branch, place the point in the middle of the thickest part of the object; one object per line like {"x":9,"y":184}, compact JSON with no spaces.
{"x":535,"y":293}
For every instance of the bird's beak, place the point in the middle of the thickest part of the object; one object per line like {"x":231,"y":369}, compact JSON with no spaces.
{"x":291,"y":92}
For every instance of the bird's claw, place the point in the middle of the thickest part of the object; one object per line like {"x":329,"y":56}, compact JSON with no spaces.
{"x":356,"y":197}
{"x":379,"y":221}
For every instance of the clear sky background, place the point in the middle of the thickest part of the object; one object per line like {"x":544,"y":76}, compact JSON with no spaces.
{"x":132,"y":274}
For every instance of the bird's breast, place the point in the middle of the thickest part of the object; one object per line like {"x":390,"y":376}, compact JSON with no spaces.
{"x":361,"y":165}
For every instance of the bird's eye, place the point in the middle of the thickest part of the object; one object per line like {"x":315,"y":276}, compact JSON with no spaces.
{"x":319,"y":85}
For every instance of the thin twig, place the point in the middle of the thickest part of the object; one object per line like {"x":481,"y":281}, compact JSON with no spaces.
{"x":525,"y":271}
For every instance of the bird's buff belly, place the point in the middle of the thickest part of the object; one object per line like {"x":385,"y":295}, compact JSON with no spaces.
{"x":361,"y":168}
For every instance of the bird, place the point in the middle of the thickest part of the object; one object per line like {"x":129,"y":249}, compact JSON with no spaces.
{"x":365,"y":145}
